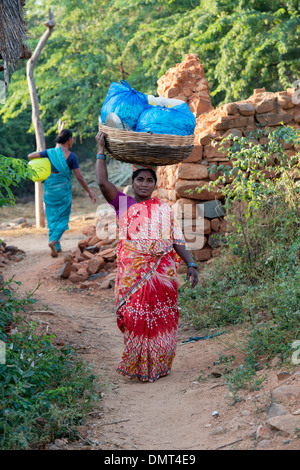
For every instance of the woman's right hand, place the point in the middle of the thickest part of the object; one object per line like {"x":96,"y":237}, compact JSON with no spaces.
{"x":100,"y":139}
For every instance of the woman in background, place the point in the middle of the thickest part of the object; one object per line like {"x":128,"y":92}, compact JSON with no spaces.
{"x":58,"y":187}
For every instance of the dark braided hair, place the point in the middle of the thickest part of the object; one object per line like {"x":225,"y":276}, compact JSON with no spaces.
{"x":63,"y":136}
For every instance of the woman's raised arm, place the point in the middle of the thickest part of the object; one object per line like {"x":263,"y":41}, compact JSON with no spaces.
{"x":107,"y":188}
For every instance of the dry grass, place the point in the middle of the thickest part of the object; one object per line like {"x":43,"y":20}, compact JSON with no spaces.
{"x":83,"y":213}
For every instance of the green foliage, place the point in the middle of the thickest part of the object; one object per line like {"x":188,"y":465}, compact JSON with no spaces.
{"x":45,"y":392}
{"x":241,"y":44}
{"x":262,"y":199}
{"x":255,"y":281}
{"x":12,"y":172}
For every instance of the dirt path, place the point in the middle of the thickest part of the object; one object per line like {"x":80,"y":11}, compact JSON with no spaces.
{"x":174,"y":413}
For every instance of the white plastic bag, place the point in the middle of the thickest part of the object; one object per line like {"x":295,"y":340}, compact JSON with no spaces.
{"x":161,"y":101}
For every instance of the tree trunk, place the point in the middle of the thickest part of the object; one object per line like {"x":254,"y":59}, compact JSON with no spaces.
{"x":36,"y":120}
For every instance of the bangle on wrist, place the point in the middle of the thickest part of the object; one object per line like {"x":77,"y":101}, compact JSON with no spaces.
{"x":191,"y":265}
{"x":100,"y":156}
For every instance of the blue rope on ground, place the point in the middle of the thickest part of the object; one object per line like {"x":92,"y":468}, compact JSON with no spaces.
{"x":197,"y":338}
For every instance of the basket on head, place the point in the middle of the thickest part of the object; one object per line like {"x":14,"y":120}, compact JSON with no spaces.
{"x":143,"y":148}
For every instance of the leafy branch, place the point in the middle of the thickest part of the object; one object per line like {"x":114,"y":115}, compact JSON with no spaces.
{"x":12,"y":172}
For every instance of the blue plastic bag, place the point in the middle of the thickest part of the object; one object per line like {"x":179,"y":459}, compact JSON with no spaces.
{"x":178,"y":120}
{"x":124,"y":101}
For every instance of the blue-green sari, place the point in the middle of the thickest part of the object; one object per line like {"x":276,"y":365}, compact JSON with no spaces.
{"x":58,"y":196}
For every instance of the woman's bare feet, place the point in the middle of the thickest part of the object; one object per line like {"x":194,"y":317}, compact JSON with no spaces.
{"x":53,"y":250}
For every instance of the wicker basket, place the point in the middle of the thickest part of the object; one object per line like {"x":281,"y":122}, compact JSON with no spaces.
{"x":143,"y":148}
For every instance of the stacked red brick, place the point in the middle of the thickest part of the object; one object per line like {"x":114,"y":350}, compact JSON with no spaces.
{"x":177,"y":183}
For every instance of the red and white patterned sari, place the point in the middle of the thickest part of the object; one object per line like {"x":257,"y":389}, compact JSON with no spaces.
{"x":147,"y":289}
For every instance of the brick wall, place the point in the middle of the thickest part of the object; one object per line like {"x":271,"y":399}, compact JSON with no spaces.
{"x":186,"y":81}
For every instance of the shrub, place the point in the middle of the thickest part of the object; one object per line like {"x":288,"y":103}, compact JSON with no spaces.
{"x":45,"y":391}
{"x":255,"y":280}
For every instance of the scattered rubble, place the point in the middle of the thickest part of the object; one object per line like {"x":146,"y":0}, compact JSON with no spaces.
{"x":9,"y":253}
{"x":93,"y":261}
{"x":20,"y":222}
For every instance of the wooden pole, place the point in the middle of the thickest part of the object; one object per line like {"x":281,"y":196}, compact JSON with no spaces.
{"x":36,"y":120}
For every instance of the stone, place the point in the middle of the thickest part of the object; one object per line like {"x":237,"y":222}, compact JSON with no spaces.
{"x":258,"y":91}
{"x":195,"y":241}
{"x":19,"y":221}
{"x":276,"y":410}
{"x":108,"y":255}
{"x":236,"y":120}
{"x":282,"y":375}
{"x":216,"y":239}
{"x":92,"y":249}
{"x":297,"y":116}
{"x":65,"y":270}
{"x":86,"y":284}
{"x":195,"y":156}
{"x":232,"y":132}
{"x":285,"y":101}
{"x":214,"y":151}
{"x":102,"y":243}
{"x":69,"y":258}
{"x":265,"y":106}
{"x":89,"y":230}
{"x":107,"y":284}
{"x":246,"y":109}
{"x":285,"y":391}
{"x":231,"y":108}
{"x":95,"y":264}
{"x":74,"y":278}
{"x":273,"y":119}
{"x":263,"y":432}
{"x":213,"y":209}
{"x":199,"y":106}
{"x":200,"y":225}
{"x":185,"y":209}
{"x":215,"y":224}
{"x":277,"y":360}
{"x":286,"y":423}
{"x":264,"y":444}
{"x":189,"y":189}
{"x":82,"y":244}
{"x":78,"y":256}
{"x":203,"y":254}
{"x":205,"y":137}
{"x":87,"y":255}
{"x":186,"y":81}
{"x":94,"y":240}
{"x":97,"y":275}
{"x":13,"y":249}
{"x":194,"y":171}
{"x":83,"y":273}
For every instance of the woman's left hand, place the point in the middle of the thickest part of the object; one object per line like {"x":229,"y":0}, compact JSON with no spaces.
{"x":92,"y":196}
{"x":192,"y":275}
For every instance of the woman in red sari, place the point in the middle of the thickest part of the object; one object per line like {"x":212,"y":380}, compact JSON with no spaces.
{"x":150,"y":249}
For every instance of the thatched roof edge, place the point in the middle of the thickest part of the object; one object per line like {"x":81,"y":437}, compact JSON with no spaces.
{"x":13,"y":31}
